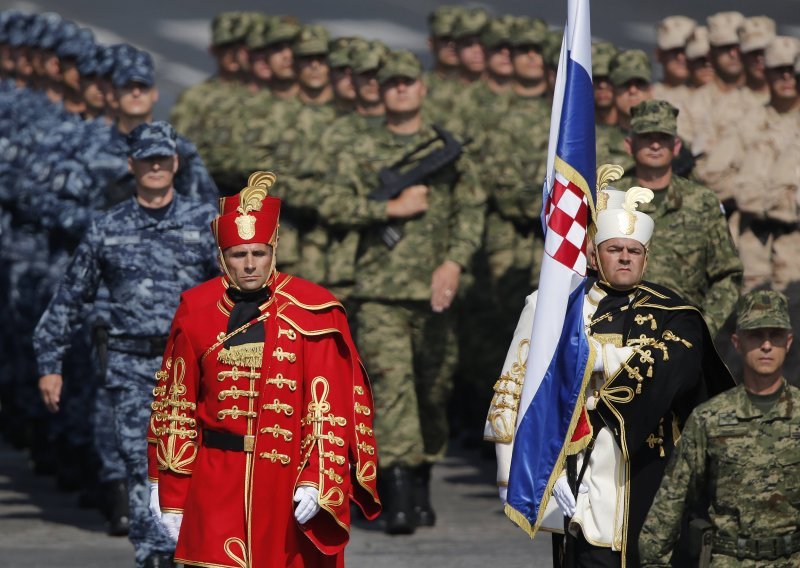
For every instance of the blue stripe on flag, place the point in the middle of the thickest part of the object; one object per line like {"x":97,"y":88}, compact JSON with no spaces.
{"x":576,"y":140}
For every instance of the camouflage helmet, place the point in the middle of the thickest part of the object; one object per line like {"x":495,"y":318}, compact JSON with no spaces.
{"x":400,"y":63}
{"x":152,"y":139}
{"x":441,"y":20}
{"x":226,"y":28}
{"x":312,"y":40}
{"x":763,"y":308}
{"x":528,"y":31}
{"x":629,"y":64}
{"x":654,"y":116}
{"x":470,"y":23}
{"x":602,"y":54}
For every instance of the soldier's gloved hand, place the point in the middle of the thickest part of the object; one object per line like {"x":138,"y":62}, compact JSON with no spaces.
{"x":172,"y":524}
{"x":503,"y":490}
{"x":307,"y":503}
{"x":598,"y":360}
{"x":155,"y":508}
{"x":563,"y":495}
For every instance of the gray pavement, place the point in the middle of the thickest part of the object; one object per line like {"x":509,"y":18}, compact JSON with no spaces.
{"x":42,"y":527}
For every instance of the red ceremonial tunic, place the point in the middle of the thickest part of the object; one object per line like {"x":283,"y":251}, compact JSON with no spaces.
{"x":301,"y":400}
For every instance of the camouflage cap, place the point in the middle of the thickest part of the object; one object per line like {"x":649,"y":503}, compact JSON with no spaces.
{"x":229,"y":27}
{"x":257,"y":25}
{"x":152,"y":139}
{"x":312,"y":40}
{"x":89,"y":60}
{"x":551,"y":50}
{"x":763,"y":308}
{"x":133,"y":68}
{"x":442,"y":19}
{"x":280,"y":29}
{"x":76,"y":45}
{"x":528,"y":31}
{"x":7,"y":21}
{"x":400,"y":63}
{"x":654,"y":116}
{"x":470,"y":22}
{"x":674,"y":31}
{"x":497,"y":32}
{"x":602,"y":54}
{"x":629,"y":64}
{"x":368,"y":56}
{"x":756,"y":33}
{"x":723,"y":28}
{"x":698,"y":45}
{"x":105,"y":60}
{"x":781,"y":52}
{"x":18,"y":30}
{"x":57,"y":31}
{"x":46,"y":29}
{"x":339,"y":52}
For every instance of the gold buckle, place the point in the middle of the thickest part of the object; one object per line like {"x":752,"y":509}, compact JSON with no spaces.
{"x":249,"y":444}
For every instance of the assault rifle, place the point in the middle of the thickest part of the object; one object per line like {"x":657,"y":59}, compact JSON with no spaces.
{"x":393,"y":180}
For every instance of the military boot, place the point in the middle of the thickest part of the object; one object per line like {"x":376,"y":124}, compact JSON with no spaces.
{"x":398,"y":500}
{"x":424,"y":514}
{"x":117,"y":508}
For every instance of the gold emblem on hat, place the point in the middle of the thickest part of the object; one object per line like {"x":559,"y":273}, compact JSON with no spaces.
{"x":250,"y":198}
{"x":605,"y":175}
{"x":634,"y":196}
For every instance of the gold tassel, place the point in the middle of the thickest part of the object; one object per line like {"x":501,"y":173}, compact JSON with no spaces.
{"x":246,"y":355}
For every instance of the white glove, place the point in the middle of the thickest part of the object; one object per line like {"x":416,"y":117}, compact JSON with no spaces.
{"x":503,"y":490}
{"x":563,"y":495}
{"x":172,"y":524}
{"x":598,"y":360}
{"x":155,"y":508}
{"x":307,"y":506}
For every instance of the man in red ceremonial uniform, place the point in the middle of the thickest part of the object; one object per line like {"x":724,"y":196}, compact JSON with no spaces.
{"x":262,"y":419}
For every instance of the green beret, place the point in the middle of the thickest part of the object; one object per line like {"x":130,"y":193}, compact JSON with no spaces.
{"x":763,"y":308}
{"x":602,"y":54}
{"x":441,"y":20}
{"x":400,"y":63}
{"x":312,"y":40}
{"x":497,"y":32}
{"x":470,"y":22}
{"x":629,"y":64}
{"x":528,"y":31}
{"x":654,"y":116}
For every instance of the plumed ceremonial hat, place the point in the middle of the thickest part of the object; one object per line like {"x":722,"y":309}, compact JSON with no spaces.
{"x":617,"y":216}
{"x":255,"y":217}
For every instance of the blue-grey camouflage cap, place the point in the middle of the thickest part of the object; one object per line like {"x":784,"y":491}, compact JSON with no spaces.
{"x":89,"y":60}
{"x":152,"y":139}
{"x":56,"y":30}
{"x":36,"y":28}
{"x":76,"y":45}
{"x":763,"y":308}
{"x":105,"y":60}
{"x":138,"y":68}
{"x":18,"y":30}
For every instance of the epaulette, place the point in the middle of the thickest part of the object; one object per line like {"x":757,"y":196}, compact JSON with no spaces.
{"x":310,"y":309}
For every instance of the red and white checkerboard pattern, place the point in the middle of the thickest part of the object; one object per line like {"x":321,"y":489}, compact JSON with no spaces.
{"x":567,"y":219}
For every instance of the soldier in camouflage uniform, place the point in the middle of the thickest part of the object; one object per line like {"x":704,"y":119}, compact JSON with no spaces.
{"x":672,"y":34}
{"x":701,"y":71}
{"x":756,"y":34}
{"x":738,"y":457}
{"x":145,"y":282}
{"x":405,"y":329}
{"x":442,"y":80}
{"x":551,"y":51}
{"x":694,"y":254}
{"x":605,"y":111}
{"x":341,"y":74}
{"x":528,"y":36}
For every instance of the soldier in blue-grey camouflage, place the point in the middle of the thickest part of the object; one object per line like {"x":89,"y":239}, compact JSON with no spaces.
{"x":146,"y":251}
{"x":739,"y":456}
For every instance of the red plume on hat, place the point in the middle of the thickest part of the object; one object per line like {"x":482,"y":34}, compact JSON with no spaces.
{"x":251,"y":217}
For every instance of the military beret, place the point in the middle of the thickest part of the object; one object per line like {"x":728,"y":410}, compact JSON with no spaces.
{"x":654,"y":116}
{"x":442,"y":19}
{"x":138,"y":68}
{"x":781,"y":52}
{"x":75,"y":45}
{"x":528,"y":31}
{"x":339,"y":52}
{"x":400,"y":63}
{"x":602,"y":54}
{"x":312,"y":40}
{"x":756,"y":33}
{"x":629,"y":64}
{"x":497,"y":32}
{"x":551,"y":49}
{"x":763,"y":308}
{"x":152,"y":139}
{"x":368,"y":57}
{"x":228,"y":27}
{"x":674,"y":31}
{"x":470,"y":22}
{"x":723,"y":28}
{"x":698,"y":45}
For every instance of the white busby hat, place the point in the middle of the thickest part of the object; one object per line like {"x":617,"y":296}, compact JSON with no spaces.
{"x":617,"y":216}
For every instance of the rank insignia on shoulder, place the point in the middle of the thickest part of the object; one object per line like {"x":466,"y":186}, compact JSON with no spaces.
{"x":728,"y":419}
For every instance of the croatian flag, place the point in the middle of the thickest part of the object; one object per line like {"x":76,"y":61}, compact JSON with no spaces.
{"x":559,"y":357}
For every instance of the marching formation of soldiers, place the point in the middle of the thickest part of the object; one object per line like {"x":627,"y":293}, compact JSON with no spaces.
{"x":413,"y":196}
